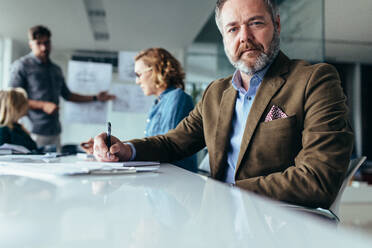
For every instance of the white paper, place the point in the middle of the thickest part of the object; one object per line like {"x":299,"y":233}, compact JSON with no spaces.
{"x":49,"y":171}
{"x":87,"y":78}
{"x":130,"y":98}
{"x":10,"y":148}
{"x":126,"y":66}
{"x":121,"y":164}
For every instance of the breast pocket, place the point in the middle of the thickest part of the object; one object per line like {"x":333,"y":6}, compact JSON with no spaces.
{"x":274,"y":144}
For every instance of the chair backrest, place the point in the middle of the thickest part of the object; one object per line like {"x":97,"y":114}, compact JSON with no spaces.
{"x":354,"y":165}
{"x":204,"y":164}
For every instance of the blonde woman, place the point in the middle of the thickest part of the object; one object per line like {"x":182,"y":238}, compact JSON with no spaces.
{"x":14,"y":105}
{"x":160,"y":74}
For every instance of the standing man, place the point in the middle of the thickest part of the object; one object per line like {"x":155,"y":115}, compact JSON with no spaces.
{"x":276,"y":127}
{"x":44,"y":83}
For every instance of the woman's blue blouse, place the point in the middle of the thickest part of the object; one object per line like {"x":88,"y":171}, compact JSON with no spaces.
{"x":168,"y":110}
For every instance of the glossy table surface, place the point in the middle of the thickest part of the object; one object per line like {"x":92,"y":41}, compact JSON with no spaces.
{"x":168,"y":208}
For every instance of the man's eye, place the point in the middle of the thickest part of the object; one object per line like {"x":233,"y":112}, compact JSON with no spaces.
{"x":256,"y":23}
{"x":232,"y":30}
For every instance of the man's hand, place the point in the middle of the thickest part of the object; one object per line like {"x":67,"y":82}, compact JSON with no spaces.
{"x":103,"y":96}
{"x":118,"y":150}
{"x":88,"y":146}
{"x":49,"y":108}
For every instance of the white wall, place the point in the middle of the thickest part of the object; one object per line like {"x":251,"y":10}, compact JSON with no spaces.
{"x":10,"y":51}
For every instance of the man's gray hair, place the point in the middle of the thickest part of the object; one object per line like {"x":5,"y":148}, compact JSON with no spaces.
{"x":271,"y":5}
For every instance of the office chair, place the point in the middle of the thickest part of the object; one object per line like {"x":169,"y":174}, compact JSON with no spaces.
{"x":204,"y":165}
{"x":333,"y":211}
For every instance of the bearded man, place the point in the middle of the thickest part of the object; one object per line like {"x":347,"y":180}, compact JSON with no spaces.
{"x":276,"y":127}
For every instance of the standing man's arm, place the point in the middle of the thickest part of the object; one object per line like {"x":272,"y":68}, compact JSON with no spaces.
{"x":103,"y":96}
{"x":47,"y":107}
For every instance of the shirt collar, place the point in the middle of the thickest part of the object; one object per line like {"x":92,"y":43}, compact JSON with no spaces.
{"x":170,"y":88}
{"x":255,"y":80}
{"x":36,"y":59}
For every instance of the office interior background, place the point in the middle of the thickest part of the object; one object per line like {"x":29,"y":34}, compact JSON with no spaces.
{"x":334,"y":31}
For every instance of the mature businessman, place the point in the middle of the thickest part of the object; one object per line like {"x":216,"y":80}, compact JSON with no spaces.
{"x":277,"y":127}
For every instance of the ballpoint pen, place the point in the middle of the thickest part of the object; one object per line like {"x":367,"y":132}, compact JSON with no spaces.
{"x":108,"y":141}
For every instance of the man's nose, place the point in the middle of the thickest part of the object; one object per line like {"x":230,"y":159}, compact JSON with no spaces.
{"x":245,"y":34}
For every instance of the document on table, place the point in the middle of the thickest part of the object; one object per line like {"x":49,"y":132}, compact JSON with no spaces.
{"x":30,"y":158}
{"x":123,"y":164}
{"x":42,"y":170}
{"x":138,"y":166}
{"x":12,"y":149}
{"x":50,"y":166}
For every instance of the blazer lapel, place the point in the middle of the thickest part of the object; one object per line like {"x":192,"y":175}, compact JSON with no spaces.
{"x":225,"y":116}
{"x":271,"y":83}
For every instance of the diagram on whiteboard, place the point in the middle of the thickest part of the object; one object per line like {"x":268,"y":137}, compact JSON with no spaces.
{"x":88,"y":78}
{"x":126,"y":66}
{"x":130,"y":98}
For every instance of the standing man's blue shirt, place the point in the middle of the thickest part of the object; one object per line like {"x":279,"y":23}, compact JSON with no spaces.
{"x":42,"y":82}
{"x":243,"y":106}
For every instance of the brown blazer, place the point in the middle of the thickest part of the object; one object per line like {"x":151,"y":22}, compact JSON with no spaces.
{"x":301,"y":159}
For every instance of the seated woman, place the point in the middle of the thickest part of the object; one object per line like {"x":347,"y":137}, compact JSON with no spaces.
{"x":159,"y":73}
{"x":14,"y":105}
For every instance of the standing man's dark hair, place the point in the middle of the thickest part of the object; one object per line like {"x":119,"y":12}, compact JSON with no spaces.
{"x":38,"y":31}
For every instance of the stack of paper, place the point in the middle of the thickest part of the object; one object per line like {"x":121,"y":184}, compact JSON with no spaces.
{"x":75,"y":169}
{"x":12,"y":149}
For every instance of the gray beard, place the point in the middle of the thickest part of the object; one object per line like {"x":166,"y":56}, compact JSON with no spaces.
{"x":262,"y":60}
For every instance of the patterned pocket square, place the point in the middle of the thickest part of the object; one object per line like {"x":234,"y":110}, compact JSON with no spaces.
{"x":275,"y":113}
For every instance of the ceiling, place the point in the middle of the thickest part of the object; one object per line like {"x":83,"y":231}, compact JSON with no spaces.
{"x":131,"y":24}
{"x":174,"y":24}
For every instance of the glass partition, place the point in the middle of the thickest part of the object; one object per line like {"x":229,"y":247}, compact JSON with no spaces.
{"x":302,"y":29}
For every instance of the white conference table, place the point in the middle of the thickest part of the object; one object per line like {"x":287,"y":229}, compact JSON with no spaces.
{"x":168,"y":208}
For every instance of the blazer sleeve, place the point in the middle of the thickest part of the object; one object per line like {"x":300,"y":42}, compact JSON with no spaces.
{"x":327,"y":140}
{"x":186,"y":139}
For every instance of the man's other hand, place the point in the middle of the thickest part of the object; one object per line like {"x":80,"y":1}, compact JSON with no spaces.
{"x":87,"y":146}
{"x":50,"y":108}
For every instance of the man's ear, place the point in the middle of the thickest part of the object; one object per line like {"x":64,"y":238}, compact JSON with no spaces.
{"x":277,"y":23}
{"x":30,"y":44}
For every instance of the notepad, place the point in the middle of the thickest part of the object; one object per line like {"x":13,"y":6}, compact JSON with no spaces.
{"x":123,"y":164}
{"x":11,"y":149}
{"x":42,"y":170}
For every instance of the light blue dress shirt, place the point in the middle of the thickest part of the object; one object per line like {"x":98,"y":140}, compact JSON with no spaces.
{"x":243,"y":106}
